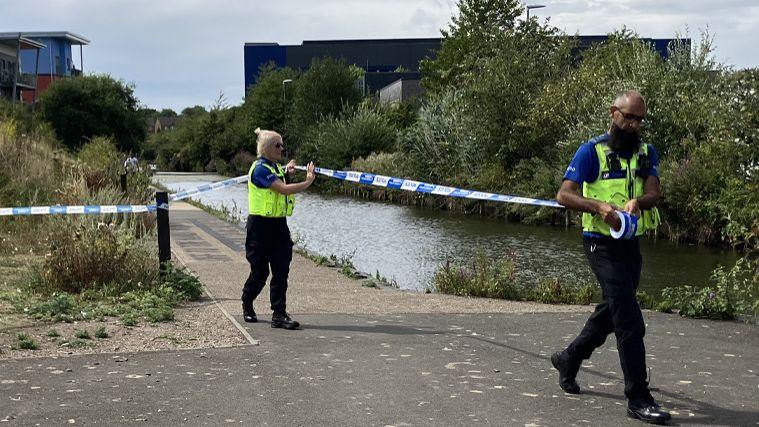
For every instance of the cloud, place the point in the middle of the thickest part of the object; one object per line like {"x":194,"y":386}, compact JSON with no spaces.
{"x":183,"y":52}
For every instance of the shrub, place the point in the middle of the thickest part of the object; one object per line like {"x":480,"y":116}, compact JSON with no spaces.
{"x":101,"y":333}
{"x":82,"y":334}
{"x":86,"y":253}
{"x":335,"y":142}
{"x":25,"y":342}
{"x":480,"y":277}
{"x":552,"y":291}
{"x":735,"y":291}
{"x":101,"y":154}
{"x":95,"y":105}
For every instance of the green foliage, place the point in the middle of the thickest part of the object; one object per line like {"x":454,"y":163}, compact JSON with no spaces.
{"x":735,"y":291}
{"x":480,"y":277}
{"x":324,"y":90}
{"x":53,"y":333}
{"x":103,"y":162}
{"x":335,"y":142}
{"x":86,"y":254}
{"x":25,"y":342}
{"x":551,"y":291}
{"x":268,"y":103}
{"x":95,"y":105}
{"x":82,"y":334}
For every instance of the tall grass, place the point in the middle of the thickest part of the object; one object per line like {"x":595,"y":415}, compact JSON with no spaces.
{"x":104,"y":264}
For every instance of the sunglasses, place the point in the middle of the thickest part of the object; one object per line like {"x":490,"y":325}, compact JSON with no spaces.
{"x":631,"y":117}
{"x":279,"y":145}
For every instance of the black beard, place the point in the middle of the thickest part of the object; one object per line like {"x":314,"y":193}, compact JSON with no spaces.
{"x":622,"y":140}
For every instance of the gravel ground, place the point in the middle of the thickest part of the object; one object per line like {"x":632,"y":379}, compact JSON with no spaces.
{"x":197,"y":324}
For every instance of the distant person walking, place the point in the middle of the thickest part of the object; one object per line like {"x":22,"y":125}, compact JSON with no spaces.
{"x":618,"y":173}
{"x":268,"y":242}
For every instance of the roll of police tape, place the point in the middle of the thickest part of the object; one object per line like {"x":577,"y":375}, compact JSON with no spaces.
{"x":207,"y":187}
{"x":74,"y":210}
{"x":426,"y":188}
{"x":629,"y":226}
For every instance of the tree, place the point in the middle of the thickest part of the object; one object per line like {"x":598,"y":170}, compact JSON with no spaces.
{"x":323,"y":90}
{"x":470,"y":37}
{"x":268,"y":104}
{"x":96,"y":105}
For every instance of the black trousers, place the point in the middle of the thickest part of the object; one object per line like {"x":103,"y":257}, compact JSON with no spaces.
{"x":268,"y":243}
{"x":617,"y":265}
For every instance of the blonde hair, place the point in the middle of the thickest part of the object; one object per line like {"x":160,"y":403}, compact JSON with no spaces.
{"x":264,"y":140}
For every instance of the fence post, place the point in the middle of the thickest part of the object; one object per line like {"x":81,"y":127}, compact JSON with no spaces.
{"x":123,"y":182}
{"x":164,"y":237}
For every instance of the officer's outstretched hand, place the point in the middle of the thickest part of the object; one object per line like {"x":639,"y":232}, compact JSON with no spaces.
{"x":609,"y":215}
{"x":310,"y":175}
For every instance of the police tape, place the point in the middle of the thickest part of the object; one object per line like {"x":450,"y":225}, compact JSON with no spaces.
{"x":351,"y":176}
{"x":84,"y":209}
{"x":426,"y":188}
{"x":207,"y":187}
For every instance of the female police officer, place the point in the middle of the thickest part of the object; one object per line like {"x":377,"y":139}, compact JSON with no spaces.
{"x":268,"y":243}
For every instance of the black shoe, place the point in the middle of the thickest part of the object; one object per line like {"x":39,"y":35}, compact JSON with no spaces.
{"x":567,"y":372}
{"x":648,"y":413}
{"x":283,"y":320}
{"x":248,"y":314}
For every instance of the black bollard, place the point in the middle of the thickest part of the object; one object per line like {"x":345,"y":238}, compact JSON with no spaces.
{"x":123,"y":182}
{"x":164,"y":237}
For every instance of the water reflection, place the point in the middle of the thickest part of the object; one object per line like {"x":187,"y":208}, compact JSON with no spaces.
{"x":407,"y":244}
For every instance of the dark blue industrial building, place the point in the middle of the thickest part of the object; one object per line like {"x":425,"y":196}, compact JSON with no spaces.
{"x":385,"y":60}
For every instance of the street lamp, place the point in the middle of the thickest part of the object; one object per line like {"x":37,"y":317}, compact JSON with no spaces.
{"x":533,"y":6}
{"x":284,"y":83}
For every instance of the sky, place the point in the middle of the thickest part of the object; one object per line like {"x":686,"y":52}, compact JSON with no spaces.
{"x":181,"y":53}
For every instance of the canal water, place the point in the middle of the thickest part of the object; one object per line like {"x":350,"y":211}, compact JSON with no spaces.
{"x":407,"y":244}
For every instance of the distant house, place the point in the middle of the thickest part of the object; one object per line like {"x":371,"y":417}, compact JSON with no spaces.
{"x":162,"y":124}
{"x":15,"y":79}
{"x":56,"y":59}
{"x":150,"y":124}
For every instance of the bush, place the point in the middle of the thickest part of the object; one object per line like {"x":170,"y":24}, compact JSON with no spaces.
{"x":86,"y":254}
{"x":82,"y":334}
{"x":95,"y":105}
{"x":552,"y":291}
{"x":25,"y":342}
{"x":736,"y":291}
{"x":335,"y":142}
{"x":101,"y":333}
{"x":479,"y":278}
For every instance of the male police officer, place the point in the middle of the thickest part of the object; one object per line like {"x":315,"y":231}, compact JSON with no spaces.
{"x":270,"y":201}
{"x":617,"y":172}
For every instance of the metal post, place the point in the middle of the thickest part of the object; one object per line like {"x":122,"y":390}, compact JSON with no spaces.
{"x":17,"y":71}
{"x":36,"y":75}
{"x":164,"y":237}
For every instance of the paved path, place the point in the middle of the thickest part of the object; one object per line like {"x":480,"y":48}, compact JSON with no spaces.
{"x":382,"y":357}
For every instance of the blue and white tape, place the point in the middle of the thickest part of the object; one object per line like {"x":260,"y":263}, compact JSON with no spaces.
{"x":629,"y":226}
{"x":426,"y":188}
{"x":72,"y":210}
{"x":207,"y":187}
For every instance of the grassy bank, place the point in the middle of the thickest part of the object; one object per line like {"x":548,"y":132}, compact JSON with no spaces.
{"x":77,"y":267}
{"x":733,"y":293}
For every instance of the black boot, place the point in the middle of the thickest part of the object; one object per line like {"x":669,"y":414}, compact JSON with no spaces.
{"x":648,"y":412}
{"x":567,"y":372}
{"x":248,"y":314}
{"x":282,"y":320}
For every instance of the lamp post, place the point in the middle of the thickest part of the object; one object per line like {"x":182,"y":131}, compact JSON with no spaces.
{"x":285,"y":82}
{"x":533,"y":6}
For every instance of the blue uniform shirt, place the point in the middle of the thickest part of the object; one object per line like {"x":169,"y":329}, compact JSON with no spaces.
{"x":262,"y":177}
{"x":584,"y":165}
